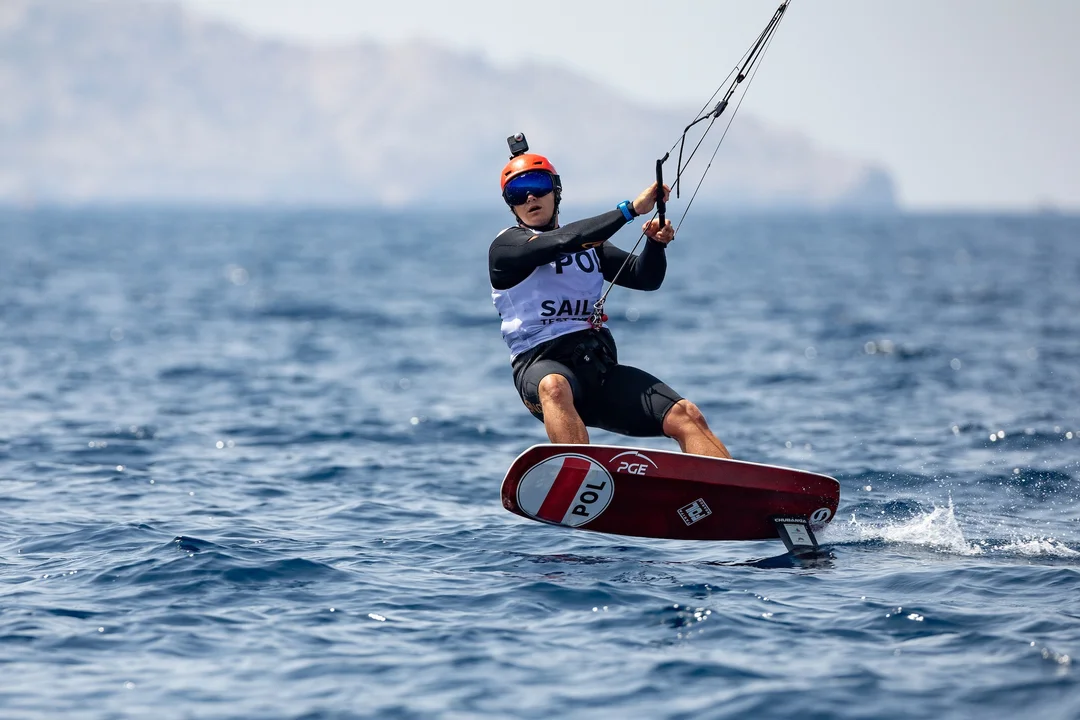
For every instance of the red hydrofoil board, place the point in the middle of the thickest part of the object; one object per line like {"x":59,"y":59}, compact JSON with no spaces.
{"x":659,"y":494}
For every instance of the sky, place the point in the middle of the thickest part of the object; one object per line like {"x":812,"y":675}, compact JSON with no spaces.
{"x":971,"y":104}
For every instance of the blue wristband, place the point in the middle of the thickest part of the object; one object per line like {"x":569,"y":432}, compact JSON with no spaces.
{"x":627,"y":213}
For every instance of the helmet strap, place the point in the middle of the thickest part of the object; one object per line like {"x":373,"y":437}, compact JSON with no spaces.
{"x":551,"y":225}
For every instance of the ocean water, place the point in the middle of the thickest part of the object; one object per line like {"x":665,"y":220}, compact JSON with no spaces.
{"x":250,"y":465}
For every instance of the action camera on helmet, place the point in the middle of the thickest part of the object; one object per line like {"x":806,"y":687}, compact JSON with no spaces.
{"x":518,"y":144}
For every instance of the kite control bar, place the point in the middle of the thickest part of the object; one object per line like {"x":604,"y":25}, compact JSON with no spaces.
{"x":661,"y":206}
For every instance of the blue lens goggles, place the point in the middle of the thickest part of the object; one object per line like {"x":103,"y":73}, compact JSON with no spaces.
{"x":535,"y":182}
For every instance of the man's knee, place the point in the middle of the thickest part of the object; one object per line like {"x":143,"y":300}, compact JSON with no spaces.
{"x":555,"y":389}
{"x":684,"y":416}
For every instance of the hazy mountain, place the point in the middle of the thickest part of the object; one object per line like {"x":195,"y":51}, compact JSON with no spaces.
{"x":122,"y":100}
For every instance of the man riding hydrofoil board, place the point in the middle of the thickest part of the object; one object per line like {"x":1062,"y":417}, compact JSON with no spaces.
{"x":546,"y":279}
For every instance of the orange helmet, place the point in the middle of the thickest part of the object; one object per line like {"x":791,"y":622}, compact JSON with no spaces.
{"x":524,"y":163}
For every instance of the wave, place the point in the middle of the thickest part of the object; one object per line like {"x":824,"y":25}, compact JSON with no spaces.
{"x":939,"y":530}
{"x":300,"y":311}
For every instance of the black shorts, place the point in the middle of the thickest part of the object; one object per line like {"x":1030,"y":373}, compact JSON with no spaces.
{"x":607,"y":395}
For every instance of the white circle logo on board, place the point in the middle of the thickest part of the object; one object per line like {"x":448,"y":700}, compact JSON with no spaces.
{"x":821,"y":516}
{"x":565,"y":490}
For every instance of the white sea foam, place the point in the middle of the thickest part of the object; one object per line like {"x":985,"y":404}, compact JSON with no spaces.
{"x":1038,"y":547}
{"x":939,"y":529}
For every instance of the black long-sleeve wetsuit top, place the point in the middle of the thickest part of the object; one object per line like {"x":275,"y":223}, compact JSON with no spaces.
{"x":516,"y":252}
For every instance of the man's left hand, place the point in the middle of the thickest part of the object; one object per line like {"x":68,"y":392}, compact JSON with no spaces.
{"x":662,"y":235}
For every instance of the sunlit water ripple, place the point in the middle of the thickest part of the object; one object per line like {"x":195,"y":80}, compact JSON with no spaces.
{"x":251,"y":463}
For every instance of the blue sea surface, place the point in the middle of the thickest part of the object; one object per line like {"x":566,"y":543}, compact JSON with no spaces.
{"x":251,"y":460}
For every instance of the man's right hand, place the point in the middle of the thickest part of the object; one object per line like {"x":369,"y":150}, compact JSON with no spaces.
{"x":646,"y":201}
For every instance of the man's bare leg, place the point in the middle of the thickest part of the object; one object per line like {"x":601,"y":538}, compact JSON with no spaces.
{"x":561,"y":419}
{"x":686,"y":424}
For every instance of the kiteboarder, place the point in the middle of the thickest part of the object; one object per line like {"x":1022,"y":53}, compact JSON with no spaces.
{"x":546,"y":279}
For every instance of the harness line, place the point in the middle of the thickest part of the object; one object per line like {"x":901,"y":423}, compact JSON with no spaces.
{"x":749,"y":63}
